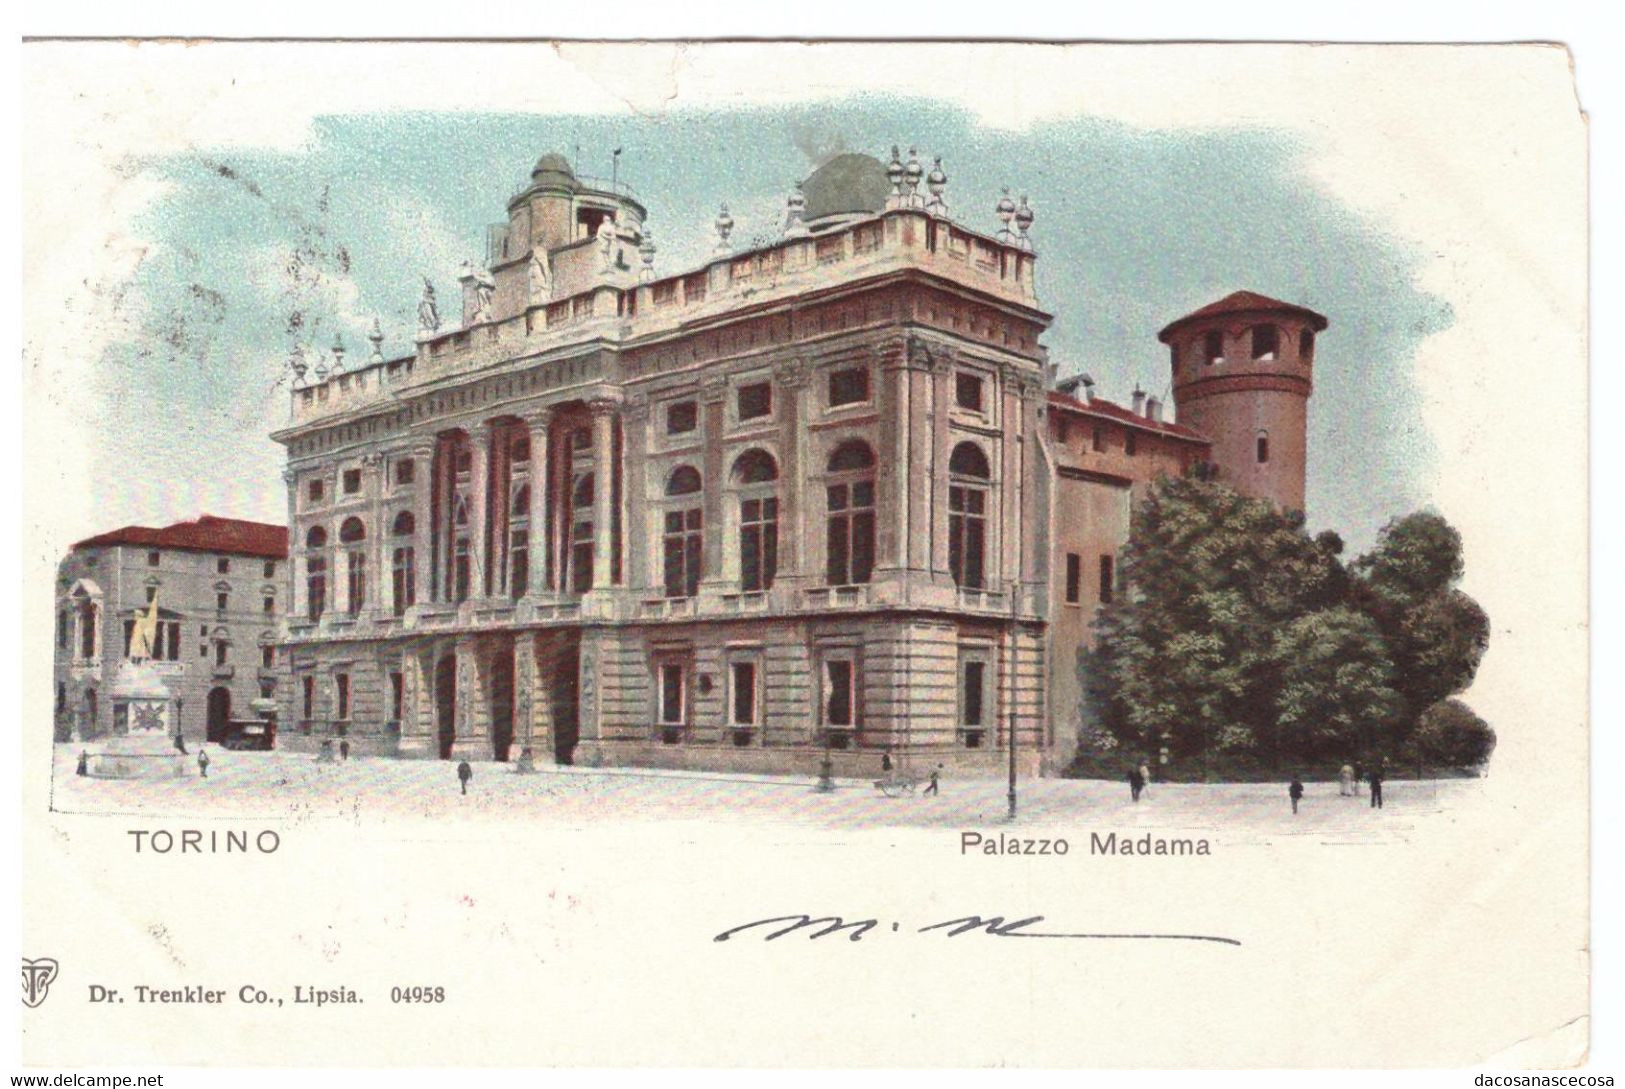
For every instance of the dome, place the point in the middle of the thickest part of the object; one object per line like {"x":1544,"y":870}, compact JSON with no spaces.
{"x":849,"y":184}
{"x":552,"y":163}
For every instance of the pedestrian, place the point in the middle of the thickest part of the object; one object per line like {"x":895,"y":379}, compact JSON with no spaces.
{"x":344,"y":750}
{"x":1136,"y":782}
{"x":464,"y":774}
{"x":932,"y":787}
{"x":1345,"y":781}
{"x":203,"y":763}
{"x":885,"y":762}
{"x":1375,"y":777}
{"x":180,"y":742}
{"x":1145,"y":774}
{"x":1359,"y":777}
{"x":84,"y":763}
{"x":1295,"y":792}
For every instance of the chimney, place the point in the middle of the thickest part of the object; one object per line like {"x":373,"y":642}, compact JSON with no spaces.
{"x":1088,"y":388}
{"x":1069,"y":386}
{"x":1153,"y":410}
{"x":1139,"y":400}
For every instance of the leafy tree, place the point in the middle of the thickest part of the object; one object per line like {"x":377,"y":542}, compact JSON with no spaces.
{"x":1449,"y":733}
{"x":1417,"y":555}
{"x":1336,"y":696}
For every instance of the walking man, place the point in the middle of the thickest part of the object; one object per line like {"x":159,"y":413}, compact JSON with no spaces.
{"x":344,"y":750}
{"x":1136,"y":782}
{"x":1295,"y":792}
{"x":1375,"y":777}
{"x":203,"y":763}
{"x":84,"y":763}
{"x":464,"y":774}
{"x":1345,"y":781}
{"x":932,"y":788}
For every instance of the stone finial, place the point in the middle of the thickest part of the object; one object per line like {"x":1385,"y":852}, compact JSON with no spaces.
{"x":894,"y":174}
{"x":296,"y":363}
{"x":606,"y":241}
{"x":724,"y":225}
{"x":937,"y":183}
{"x":646,"y":251}
{"x":1024,"y":222}
{"x":795,"y":213}
{"x":377,"y":338}
{"x":428,"y":310}
{"x":912,"y":173}
{"x":1006,"y":211}
{"x":338,"y":354}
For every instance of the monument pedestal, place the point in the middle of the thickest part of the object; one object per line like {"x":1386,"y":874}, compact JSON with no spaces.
{"x":143,"y":746}
{"x":139,"y":756}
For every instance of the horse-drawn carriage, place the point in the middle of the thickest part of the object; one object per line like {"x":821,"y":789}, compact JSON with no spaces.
{"x":895,"y":785}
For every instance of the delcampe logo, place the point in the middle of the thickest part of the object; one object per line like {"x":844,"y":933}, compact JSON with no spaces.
{"x":37,"y":977}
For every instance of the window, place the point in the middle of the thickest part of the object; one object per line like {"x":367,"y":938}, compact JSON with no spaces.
{"x":406,"y":471}
{"x":519,"y":543}
{"x":222,"y":566}
{"x":354,"y":532}
{"x":1106,"y":579}
{"x":62,"y":629}
{"x":1262,"y":447}
{"x":972,"y":709}
{"x":154,"y":558}
{"x":744,"y":694}
{"x":270,"y":569}
{"x":840,"y":694}
{"x":1063,"y":430}
{"x":968,"y":391}
{"x":460,"y":560}
{"x":397,"y":696}
{"x":755,"y":400}
{"x":1306,"y":345}
{"x":850,"y":501}
{"x":756,"y":474}
{"x":270,"y":605}
{"x":1266,"y":341}
{"x":1213,"y":347}
{"x":1131,"y":444}
{"x":315,"y":490}
{"x":267,"y":689}
{"x":403,"y":573}
{"x":221,"y":601}
{"x":519,"y":452}
{"x":221,"y":651}
{"x":682,"y":417}
{"x":968,"y":475}
{"x":341,"y":689}
{"x":315,"y":572}
{"x":309,"y":698}
{"x":268,"y":657}
{"x":1098,"y":439}
{"x":152,"y":592}
{"x":87,"y":630}
{"x":1074,"y":578}
{"x":581,"y":535}
{"x":673,"y":707}
{"x":352,"y":481}
{"x":848,"y":387}
{"x":683,"y":541}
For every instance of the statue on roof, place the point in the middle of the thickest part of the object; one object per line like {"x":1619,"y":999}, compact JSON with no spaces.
{"x":428,"y":311}
{"x":541,"y":277}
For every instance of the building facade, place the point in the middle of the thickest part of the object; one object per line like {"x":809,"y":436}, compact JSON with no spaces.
{"x":220,"y":588}
{"x":811,"y":498}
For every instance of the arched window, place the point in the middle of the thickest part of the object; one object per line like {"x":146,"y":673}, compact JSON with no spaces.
{"x":519,"y":452}
{"x":849,"y":495}
{"x":581,"y":534}
{"x":519,"y":542}
{"x":756,"y":474}
{"x":968,"y":477}
{"x":353,"y":532}
{"x":460,"y":557}
{"x":316,"y":571}
{"x":87,"y":629}
{"x":1266,"y":341}
{"x":1262,"y":447}
{"x":683,"y":540}
{"x":1213,"y":347}
{"x":403,"y":566}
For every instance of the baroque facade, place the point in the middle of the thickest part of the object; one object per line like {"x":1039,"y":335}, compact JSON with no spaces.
{"x":811,"y":497}
{"x":220,"y":586}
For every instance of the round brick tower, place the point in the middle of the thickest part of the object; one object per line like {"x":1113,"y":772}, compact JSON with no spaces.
{"x":1242,"y":377}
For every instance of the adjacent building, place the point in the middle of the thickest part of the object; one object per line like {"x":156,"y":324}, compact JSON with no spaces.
{"x":817,"y":496}
{"x":219,"y":584}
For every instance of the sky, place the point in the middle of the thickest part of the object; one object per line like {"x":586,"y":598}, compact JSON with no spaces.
{"x":254,"y":254}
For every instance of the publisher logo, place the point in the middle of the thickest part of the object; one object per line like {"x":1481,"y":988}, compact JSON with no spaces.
{"x":37,"y":977}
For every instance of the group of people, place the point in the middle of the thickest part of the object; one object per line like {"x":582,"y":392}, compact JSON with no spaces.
{"x":1349,"y":778}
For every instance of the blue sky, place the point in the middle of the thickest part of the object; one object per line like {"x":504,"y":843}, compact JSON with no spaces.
{"x":258,"y":253}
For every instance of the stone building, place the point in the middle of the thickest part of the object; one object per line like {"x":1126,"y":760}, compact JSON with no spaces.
{"x":812,"y":496}
{"x":220,"y":585}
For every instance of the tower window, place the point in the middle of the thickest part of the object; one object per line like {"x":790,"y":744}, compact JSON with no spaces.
{"x":1306,"y":345}
{"x":1074,"y":577}
{"x":1130,"y":444}
{"x":1106,"y":579}
{"x":1263,"y":448}
{"x":1213,"y":347}
{"x":222,"y":566}
{"x":1266,"y":341}
{"x":154,"y":559}
{"x":848,"y":387}
{"x":682,"y":418}
{"x":1098,"y":439}
{"x":968,"y":391}
{"x":755,"y":401}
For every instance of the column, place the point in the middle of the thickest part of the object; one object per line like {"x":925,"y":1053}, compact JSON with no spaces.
{"x":713,"y":403}
{"x":792,"y":380}
{"x":634,"y":476}
{"x":423,"y":478}
{"x":603,"y":491}
{"x":541,"y":502}
{"x":479,"y":480}
{"x":374,"y":479}
{"x":524,"y":682}
{"x":294,"y":598}
{"x":941,"y":445}
{"x":892,"y":473}
{"x":439,"y":562}
{"x":920,"y":466}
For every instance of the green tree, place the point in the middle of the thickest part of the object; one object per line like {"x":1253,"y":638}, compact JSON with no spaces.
{"x":1450,"y":734}
{"x":1336,"y":697}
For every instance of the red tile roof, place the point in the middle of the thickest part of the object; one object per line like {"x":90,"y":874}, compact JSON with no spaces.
{"x":1244,"y":302}
{"x":1111,"y":411}
{"x":207,"y":534}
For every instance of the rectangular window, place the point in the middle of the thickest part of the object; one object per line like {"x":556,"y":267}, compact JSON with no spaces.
{"x":683,"y":544}
{"x":744,"y":693}
{"x":352,"y":481}
{"x":404,"y":580}
{"x":968,"y":391}
{"x":397,"y":696}
{"x":1266,"y":341}
{"x":129,"y":636}
{"x":848,"y":387}
{"x":671,"y":694}
{"x":222,"y":566}
{"x":220,"y":601}
{"x":755,"y":401}
{"x":315,"y":490}
{"x":203,"y":631}
{"x":1130,"y":444}
{"x":682,"y":417}
{"x":972,"y":674}
{"x":1263,"y":449}
{"x":152,"y":592}
{"x":967,"y":536}
{"x":270,"y":569}
{"x":1074,"y":577}
{"x":1106,"y":577}
{"x":1063,"y":430}
{"x":840,"y":703}
{"x":309,"y":702}
{"x":357,"y":582}
{"x":850,"y":539}
{"x":268,"y":657}
{"x":62,"y":632}
{"x":222,"y":650}
{"x":406,"y":471}
{"x":341,"y":688}
{"x":1098,"y":439}
{"x":154,"y":559}
{"x":175,"y":641}
{"x":758,"y":543}
{"x":270,"y":605}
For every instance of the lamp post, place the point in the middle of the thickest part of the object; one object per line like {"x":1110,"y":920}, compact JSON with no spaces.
{"x":1010,"y":739}
{"x":826,"y":768}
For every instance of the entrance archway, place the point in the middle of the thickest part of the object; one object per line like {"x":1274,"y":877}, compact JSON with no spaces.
{"x":502,"y":703}
{"x":445,"y":702}
{"x":566,"y":721}
{"x":218,"y":717}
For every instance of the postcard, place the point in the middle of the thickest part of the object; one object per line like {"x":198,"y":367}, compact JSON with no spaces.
{"x":804,"y":554}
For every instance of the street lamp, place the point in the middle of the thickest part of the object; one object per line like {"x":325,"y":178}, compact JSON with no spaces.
{"x":1010,"y":739}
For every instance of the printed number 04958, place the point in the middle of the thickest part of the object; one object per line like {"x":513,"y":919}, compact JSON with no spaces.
{"x":417,"y":994}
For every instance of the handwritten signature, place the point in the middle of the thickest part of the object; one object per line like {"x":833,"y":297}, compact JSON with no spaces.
{"x":994,"y":927}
